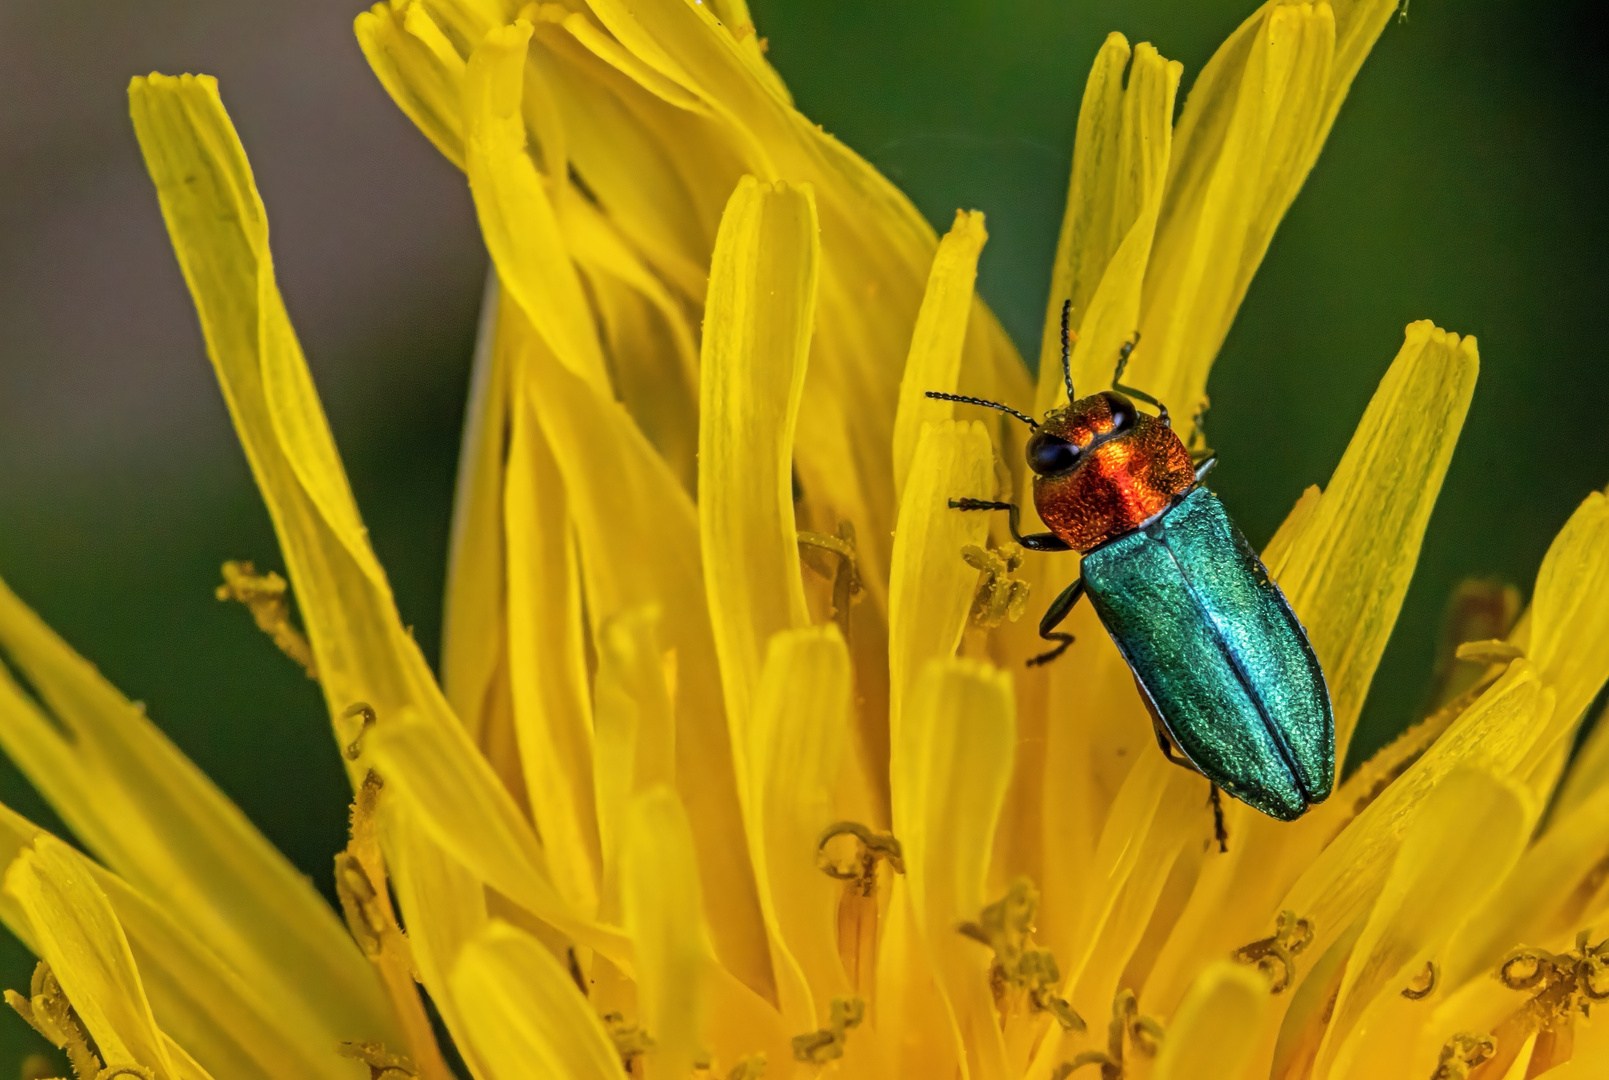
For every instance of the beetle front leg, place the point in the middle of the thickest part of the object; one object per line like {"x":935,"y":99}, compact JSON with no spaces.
{"x":1059,"y":609}
{"x":1033,"y":541}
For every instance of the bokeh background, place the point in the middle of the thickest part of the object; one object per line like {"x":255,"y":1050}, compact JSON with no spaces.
{"x":1464,"y":182}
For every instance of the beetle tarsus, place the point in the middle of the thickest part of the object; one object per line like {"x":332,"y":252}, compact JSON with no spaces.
{"x":1046,"y":657}
{"x":1219,"y":832}
{"x":1033,"y":541}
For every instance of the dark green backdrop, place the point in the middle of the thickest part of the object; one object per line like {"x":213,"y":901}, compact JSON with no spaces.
{"x":1463,"y":183}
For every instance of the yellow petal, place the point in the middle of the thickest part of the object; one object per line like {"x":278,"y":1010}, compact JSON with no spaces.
{"x":77,"y":934}
{"x":621,"y":493}
{"x":149,"y":813}
{"x":1215,"y":1031}
{"x":443,"y":906}
{"x":423,"y":83}
{"x":465,"y":809}
{"x":952,"y":762}
{"x":1464,"y":838}
{"x":547,"y":662}
{"x":1494,"y":734}
{"x":516,"y":214}
{"x":934,"y":362}
{"x":472,"y":622}
{"x":1251,"y":130}
{"x":635,"y":729}
{"x":796,"y":748}
{"x":757,"y":323}
{"x":524,"y":1014}
{"x":209,"y":1008}
{"x":664,"y":915}
{"x":1569,"y":637}
{"x":931,"y":586}
{"x":1120,"y":161}
{"x":1347,"y":573}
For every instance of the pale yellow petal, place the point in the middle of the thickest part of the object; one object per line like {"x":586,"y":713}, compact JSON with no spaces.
{"x":952,"y":762}
{"x":1347,"y":573}
{"x":659,"y":893}
{"x":1464,"y":838}
{"x":931,"y":586}
{"x":638,"y":535}
{"x":1254,"y":123}
{"x":142,"y":807}
{"x":1215,"y":1031}
{"x":516,"y":213}
{"x":1120,"y":161}
{"x":524,"y":1014}
{"x":77,"y":934}
{"x":796,"y":748}
{"x":421,"y":80}
{"x":548,"y":663}
{"x":757,"y":327}
{"x":934,"y":362}
{"x":465,"y":809}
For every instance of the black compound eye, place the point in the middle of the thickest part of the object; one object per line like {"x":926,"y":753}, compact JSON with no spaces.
{"x":1049,"y":454}
{"x":1123,"y":411}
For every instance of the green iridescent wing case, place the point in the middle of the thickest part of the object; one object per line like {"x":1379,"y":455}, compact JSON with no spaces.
{"x":1214,"y":645}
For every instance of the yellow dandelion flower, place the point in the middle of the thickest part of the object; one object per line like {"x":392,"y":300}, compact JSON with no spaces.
{"x":734,"y":768}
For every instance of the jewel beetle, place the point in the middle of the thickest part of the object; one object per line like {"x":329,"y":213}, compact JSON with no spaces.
{"x":1234,"y":690}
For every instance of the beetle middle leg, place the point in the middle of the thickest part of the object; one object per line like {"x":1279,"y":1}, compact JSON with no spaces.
{"x":1043,"y":541}
{"x":1059,"y":609}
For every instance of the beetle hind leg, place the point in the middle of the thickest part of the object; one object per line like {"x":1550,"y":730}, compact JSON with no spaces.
{"x":1220,"y":832}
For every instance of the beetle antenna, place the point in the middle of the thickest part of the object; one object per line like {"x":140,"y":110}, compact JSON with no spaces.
{"x":1067,"y":348}
{"x":937,"y":396}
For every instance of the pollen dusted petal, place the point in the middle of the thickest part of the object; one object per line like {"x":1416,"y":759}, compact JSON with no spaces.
{"x":952,"y":762}
{"x":524,"y":1014}
{"x":934,"y":362}
{"x":664,"y":914}
{"x":1213,"y":1033}
{"x":757,"y":326}
{"x":76,"y":932}
{"x":1462,"y":841}
{"x":1120,"y":163}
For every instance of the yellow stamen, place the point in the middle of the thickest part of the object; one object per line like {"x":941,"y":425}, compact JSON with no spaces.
{"x":1462,"y":1053}
{"x":47,"y":1011}
{"x":861,"y":868}
{"x":362,"y":709}
{"x":1019,"y":969}
{"x":267,"y":597}
{"x":1424,"y":984}
{"x":845,"y":577}
{"x":1000,"y":597}
{"x":1127,"y":1026}
{"x":1291,"y":936}
{"x":382,"y":1063}
{"x":631,"y":1041}
{"x":820,"y":1047}
{"x":360,"y":882}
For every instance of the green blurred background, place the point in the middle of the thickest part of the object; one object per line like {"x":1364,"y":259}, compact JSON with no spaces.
{"x":1464,"y":182}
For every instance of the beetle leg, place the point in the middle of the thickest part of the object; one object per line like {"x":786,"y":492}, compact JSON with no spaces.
{"x":1138,"y":395}
{"x":1033,"y":541}
{"x":1206,"y":465}
{"x":1219,"y":832}
{"x":1058,"y":610}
